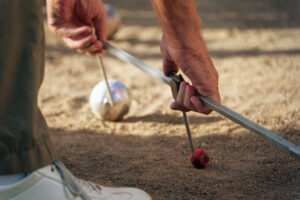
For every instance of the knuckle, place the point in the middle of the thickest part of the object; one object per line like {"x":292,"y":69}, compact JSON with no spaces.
{"x":206,"y":111}
{"x":53,"y":25}
{"x":71,"y":45}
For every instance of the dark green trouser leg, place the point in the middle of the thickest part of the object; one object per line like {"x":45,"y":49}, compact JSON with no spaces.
{"x":24,"y":137}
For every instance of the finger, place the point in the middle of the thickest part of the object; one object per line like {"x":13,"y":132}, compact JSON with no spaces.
{"x":96,"y":52}
{"x":101,"y":30}
{"x":70,"y":30}
{"x":176,"y":106}
{"x":100,"y":24}
{"x":180,"y":95}
{"x":188,"y":93}
{"x":170,"y":67}
{"x":82,"y":43}
{"x":199,"y":106}
{"x":96,"y":46}
{"x":212,"y":93}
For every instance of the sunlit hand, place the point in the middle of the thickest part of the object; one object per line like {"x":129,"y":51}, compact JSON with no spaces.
{"x":196,"y":64}
{"x":73,"y":20}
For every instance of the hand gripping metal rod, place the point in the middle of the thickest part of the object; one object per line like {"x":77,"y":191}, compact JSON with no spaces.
{"x":226,"y":112}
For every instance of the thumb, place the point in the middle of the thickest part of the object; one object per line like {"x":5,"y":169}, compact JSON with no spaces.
{"x":70,"y":30}
{"x":168,"y":63}
{"x":100,"y":24}
{"x":169,"y":66}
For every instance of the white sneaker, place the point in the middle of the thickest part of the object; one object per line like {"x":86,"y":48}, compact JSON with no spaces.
{"x":55,"y":182}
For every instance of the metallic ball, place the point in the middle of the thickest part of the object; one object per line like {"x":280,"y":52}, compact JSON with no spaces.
{"x":100,"y":103}
{"x":113,"y":20}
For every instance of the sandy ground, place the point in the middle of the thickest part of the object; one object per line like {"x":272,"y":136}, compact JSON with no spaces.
{"x":255,"y":46}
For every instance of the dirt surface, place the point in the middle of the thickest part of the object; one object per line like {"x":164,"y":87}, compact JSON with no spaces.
{"x":255,"y":46}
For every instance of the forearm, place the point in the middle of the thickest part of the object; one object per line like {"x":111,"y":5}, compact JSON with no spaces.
{"x":179,"y":21}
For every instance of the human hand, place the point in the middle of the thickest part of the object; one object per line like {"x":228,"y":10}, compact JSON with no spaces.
{"x":74,"y":20}
{"x":195,"y":63}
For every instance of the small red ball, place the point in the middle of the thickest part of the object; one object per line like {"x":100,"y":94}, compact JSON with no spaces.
{"x":200,"y":159}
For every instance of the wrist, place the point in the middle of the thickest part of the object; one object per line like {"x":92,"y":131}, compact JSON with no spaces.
{"x":179,"y":21}
{"x":194,"y":60}
{"x":184,"y":35}
{"x":193,"y":48}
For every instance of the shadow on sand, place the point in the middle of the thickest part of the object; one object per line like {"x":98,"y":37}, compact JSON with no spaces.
{"x":249,"y":166}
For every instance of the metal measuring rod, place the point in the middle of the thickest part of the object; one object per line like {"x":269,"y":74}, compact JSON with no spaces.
{"x":103,"y":73}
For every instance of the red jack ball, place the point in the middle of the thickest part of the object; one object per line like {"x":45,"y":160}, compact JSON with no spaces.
{"x":200,"y":159}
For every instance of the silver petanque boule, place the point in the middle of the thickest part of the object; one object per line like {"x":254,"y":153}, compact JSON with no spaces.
{"x":101,"y":105}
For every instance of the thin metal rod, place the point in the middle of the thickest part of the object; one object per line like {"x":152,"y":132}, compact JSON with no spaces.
{"x":102,"y":69}
{"x":136,"y":62}
{"x":188,"y":131}
{"x":226,"y":112}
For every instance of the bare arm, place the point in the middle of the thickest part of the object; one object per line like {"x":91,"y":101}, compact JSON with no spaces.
{"x":179,"y":21}
{"x":183,"y":47}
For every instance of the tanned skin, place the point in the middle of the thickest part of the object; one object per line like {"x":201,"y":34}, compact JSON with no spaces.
{"x":183,"y":48}
{"x":73,"y":21}
{"x":182,"y":45}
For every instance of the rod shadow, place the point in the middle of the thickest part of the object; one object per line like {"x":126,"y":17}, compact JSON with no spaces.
{"x":241,"y":167}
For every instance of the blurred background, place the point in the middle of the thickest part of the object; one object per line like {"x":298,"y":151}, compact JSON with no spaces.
{"x":255,"y":46}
